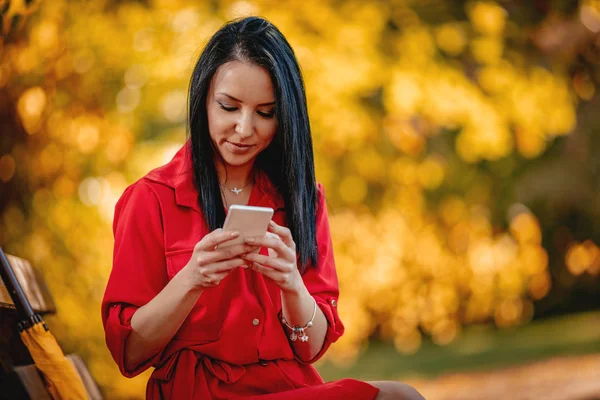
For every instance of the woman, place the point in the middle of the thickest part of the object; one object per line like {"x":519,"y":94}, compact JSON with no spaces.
{"x":220,"y":323}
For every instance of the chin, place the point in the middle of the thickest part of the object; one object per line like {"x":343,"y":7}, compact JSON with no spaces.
{"x":236,"y":160}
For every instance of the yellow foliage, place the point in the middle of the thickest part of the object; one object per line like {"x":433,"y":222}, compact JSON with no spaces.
{"x":487,"y":50}
{"x":487,"y":17}
{"x":583,"y":257}
{"x":451,"y":38}
{"x":103,"y":93}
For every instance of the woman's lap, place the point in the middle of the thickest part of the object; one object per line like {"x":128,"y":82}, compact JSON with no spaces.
{"x":343,"y":389}
{"x":389,"y":390}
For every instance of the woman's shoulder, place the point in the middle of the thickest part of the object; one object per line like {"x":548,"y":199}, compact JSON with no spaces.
{"x":142,"y":188}
{"x":147,"y":193}
{"x":321,"y":200}
{"x":320,"y":189}
{"x":139,"y":195}
{"x":165,"y":183}
{"x":177,"y":172}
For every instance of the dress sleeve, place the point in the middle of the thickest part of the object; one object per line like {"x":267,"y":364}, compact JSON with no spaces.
{"x":321,"y":280}
{"x":139,"y":268}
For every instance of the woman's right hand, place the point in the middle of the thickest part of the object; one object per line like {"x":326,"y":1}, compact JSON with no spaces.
{"x":210,"y":263}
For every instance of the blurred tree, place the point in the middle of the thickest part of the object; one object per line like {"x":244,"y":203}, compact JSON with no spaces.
{"x":456,"y":140}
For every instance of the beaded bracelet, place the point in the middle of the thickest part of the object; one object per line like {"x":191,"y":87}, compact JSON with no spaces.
{"x":298,"y":331}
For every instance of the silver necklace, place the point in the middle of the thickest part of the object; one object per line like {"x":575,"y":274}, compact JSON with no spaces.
{"x":236,"y":190}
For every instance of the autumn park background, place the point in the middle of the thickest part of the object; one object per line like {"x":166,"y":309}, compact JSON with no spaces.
{"x":458,"y":143}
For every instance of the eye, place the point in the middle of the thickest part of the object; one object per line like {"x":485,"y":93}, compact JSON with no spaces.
{"x":266,"y":115}
{"x":228,"y":109}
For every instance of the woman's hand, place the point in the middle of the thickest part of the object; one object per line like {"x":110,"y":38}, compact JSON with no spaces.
{"x":209,"y":263}
{"x":281,"y":264}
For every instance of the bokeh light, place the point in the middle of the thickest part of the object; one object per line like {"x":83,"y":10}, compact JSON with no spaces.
{"x":425,"y":129}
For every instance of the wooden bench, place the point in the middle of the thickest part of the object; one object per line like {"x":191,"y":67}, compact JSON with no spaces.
{"x":19,"y":378}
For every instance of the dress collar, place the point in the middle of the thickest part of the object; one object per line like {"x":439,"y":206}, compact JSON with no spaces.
{"x":179,"y":175}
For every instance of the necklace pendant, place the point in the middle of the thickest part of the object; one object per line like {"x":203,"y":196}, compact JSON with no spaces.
{"x":237,"y":191}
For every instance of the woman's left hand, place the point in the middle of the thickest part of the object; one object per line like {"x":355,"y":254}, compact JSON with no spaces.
{"x":280,"y":265}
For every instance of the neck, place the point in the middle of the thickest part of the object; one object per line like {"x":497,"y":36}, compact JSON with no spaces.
{"x":234,"y":176}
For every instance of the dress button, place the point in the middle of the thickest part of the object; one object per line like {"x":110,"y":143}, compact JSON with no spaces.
{"x":255,"y":321}
{"x":263,"y":363}
{"x":334,"y":303}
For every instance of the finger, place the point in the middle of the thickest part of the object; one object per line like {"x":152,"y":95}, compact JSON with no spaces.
{"x":226,"y":253}
{"x":284,"y":233}
{"x":266,"y":271}
{"x":273,"y":263}
{"x":274,"y":242}
{"x":226,"y":266}
{"x":283,"y":249}
{"x":215,"y":279}
{"x":216,"y":238}
{"x":218,"y":271}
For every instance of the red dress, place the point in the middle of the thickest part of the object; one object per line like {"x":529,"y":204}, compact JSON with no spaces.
{"x":232,"y":343}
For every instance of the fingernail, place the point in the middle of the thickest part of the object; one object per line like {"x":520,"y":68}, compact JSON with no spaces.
{"x":234,"y":234}
{"x":250,"y":240}
{"x":245,"y":266}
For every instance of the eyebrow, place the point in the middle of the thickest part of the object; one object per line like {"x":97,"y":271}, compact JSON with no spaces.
{"x":239,"y":101}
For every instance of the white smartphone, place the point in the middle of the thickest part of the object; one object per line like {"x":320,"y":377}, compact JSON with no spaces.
{"x":249,"y":221}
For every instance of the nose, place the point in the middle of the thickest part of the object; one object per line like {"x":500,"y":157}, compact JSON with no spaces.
{"x":244,"y":126}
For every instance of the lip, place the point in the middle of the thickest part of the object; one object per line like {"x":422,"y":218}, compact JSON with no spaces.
{"x":238,"y":148}
{"x":239,"y":144}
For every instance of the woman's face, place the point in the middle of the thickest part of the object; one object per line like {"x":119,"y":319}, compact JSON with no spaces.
{"x":241,"y":111}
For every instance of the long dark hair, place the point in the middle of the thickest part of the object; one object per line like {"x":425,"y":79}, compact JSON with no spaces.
{"x":288,"y":161}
